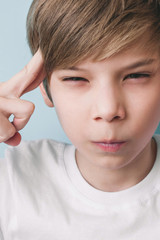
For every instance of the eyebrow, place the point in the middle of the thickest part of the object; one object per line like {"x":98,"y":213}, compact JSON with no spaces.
{"x":141,"y":63}
{"x":129,"y":67}
{"x":74,"y":68}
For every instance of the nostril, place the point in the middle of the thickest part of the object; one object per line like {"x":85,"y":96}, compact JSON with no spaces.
{"x":98,"y":118}
{"x":107,"y":118}
{"x":116,"y":117}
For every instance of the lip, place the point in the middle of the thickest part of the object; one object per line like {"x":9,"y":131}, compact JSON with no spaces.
{"x":110,"y":146}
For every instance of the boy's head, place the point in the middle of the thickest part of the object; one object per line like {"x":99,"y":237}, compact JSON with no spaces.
{"x":71,"y":31}
{"x":102,"y":59}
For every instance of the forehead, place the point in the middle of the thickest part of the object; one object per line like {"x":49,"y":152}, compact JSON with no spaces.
{"x":145,"y":45}
{"x":133,"y":56}
{"x":141,"y":50}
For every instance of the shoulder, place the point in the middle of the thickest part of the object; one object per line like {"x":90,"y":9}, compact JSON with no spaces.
{"x":32,"y":156}
{"x":35,"y":152}
{"x":32,"y":149}
{"x":31,"y":166}
{"x":31,"y":163}
{"x":30,"y":175}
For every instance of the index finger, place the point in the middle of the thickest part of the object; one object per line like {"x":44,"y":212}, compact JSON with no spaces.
{"x":27,"y":79}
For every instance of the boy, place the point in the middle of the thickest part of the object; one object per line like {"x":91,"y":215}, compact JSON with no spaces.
{"x":100,"y":61}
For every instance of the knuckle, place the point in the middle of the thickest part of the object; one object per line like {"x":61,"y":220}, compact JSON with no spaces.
{"x":32,"y":107}
{"x":7,"y":130}
{"x":2,"y":88}
{"x":29,"y":72}
{"x":11,"y":132}
{"x":25,"y":70}
{"x":29,"y":107}
{"x":8,"y":134}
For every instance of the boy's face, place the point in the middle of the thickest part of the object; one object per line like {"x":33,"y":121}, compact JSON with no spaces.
{"x":110,"y":109}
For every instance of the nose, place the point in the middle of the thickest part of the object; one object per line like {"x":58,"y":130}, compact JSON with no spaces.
{"x":108,"y":104}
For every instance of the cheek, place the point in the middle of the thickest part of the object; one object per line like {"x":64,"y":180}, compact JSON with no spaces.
{"x":145,"y":112}
{"x":152,"y":107}
{"x":70,"y":116}
{"x":72,"y":107}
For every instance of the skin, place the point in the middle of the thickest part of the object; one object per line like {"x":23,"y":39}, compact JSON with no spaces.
{"x":10,"y":103}
{"x":112,"y":102}
{"x":107,"y":104}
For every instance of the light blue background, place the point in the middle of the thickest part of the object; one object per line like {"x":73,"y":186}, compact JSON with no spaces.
{"x":14,"y":54}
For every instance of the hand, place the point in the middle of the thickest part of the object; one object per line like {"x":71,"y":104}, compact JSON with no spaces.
{"x":10,"y":103}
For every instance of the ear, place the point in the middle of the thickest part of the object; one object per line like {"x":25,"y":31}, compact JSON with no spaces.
{"x":47,"y":101}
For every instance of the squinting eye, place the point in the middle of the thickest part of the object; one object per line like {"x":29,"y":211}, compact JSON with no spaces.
{"x":136,"y":75}
{"x":74,"y":79}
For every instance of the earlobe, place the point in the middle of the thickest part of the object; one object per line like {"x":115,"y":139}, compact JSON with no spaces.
{"x":46,"y":96}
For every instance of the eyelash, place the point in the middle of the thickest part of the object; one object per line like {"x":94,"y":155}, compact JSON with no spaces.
{"x":137,"y":75}
{"x":130,"y":76}
{"x":74,"y":79}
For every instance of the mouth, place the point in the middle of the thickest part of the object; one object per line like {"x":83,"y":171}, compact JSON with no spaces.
{"x":110,"y":146}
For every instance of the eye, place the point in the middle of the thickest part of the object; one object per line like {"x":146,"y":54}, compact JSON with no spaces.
{"x":137,"y":76}
{"x":75,"y":79}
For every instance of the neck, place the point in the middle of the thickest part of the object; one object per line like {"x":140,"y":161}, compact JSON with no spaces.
{"x":114,"y":180}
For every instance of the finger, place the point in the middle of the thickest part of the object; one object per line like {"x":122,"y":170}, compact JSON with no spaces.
{"x":31,"y":75}
{"x":15,"y":140}
{"x":21,"y":109}
{"x":20,"y":122}
{"x":36,"y":82}
{"x":7,"y":130}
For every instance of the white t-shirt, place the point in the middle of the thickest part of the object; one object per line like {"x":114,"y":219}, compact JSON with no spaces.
{"x":44,"y":197}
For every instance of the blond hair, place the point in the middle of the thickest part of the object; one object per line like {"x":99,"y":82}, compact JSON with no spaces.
{"x":70,"y":31}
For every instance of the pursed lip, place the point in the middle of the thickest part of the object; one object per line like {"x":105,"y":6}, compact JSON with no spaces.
{"x":110,"y":141}
{"x":109,"y":145}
